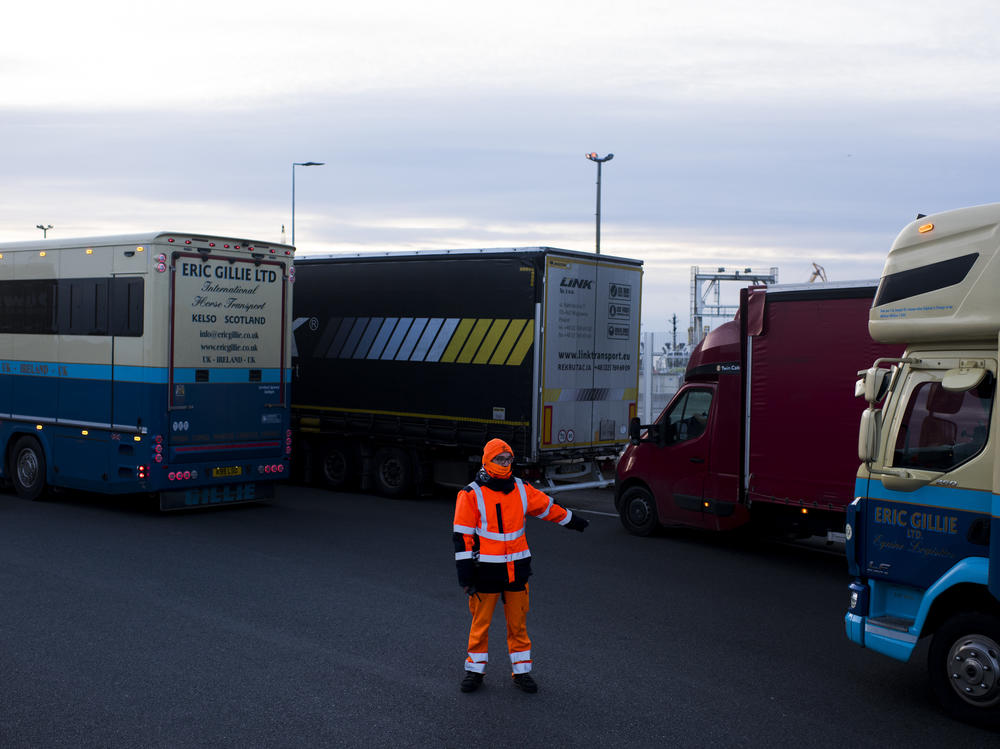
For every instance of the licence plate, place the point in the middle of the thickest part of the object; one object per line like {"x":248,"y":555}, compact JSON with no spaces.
{"x":222,"y":471}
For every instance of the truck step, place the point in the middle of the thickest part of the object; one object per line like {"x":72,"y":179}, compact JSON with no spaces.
{"x":897,"y":623}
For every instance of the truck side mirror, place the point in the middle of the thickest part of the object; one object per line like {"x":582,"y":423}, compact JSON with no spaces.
{"x":872,"y":385}
{"x":654,"y":433}
{"x":868,"y":436}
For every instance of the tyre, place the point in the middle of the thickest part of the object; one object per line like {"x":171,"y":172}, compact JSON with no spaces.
{"x":964,"y":668}
{"x":27,"y":468}
{"x":393,"y":472}
{"x":638,"y":511}
{"x":337,"y":466}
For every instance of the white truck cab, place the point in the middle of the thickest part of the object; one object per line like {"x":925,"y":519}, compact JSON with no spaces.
{"x":920,"y":546}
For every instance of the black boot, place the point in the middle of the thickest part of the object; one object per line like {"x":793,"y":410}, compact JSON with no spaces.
{"x":472,"y":681}
{"x":525,"y":683}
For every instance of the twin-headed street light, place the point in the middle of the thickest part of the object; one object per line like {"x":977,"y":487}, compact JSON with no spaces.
{"x":295,"y":164}
{"x":599,"y":161}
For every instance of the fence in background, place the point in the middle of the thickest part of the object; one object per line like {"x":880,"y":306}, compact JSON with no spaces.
{"x":662,"y":362}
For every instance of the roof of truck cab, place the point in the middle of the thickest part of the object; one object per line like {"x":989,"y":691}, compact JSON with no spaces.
{"x":822,"y":290}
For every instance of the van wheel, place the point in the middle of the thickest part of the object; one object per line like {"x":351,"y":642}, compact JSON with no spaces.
{"x":393,"y":472}
{"x":964,"y":668}
{"x":27,"y":468}
{"x":338,"y":469}
{"x":638,"y":511}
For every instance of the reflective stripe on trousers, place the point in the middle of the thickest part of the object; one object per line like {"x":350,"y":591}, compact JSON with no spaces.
{"x":515,"y":608}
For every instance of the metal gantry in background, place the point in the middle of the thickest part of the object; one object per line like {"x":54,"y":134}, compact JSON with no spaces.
{"x":295,"y":164}
{"x":599,"y":161}
{"x":700,"y":308}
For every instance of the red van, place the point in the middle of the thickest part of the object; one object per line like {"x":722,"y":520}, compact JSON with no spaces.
{"x":765,"y":425}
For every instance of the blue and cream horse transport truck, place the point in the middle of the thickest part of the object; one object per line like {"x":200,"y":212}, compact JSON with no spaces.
{"x":146,"y":364}
{"x":920,"y":542}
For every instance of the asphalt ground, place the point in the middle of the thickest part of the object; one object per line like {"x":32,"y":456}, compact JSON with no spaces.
{"x":322,"y":619}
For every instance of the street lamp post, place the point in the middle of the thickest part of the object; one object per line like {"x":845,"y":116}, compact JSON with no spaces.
{"x":599,"y":161}
{"x":299,"y":163}
{"x":45,"y":229}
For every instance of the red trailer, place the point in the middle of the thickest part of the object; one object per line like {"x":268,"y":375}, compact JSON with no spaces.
{"x":765,"y":425}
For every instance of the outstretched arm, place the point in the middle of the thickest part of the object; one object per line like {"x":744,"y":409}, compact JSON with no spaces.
{"x":543,"y":507}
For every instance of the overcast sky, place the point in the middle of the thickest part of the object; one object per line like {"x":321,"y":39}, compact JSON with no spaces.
{"x":767,"y":133}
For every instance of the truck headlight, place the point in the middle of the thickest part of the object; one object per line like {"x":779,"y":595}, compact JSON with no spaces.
{"x":860,"y":596}
{"x":848,"y":532}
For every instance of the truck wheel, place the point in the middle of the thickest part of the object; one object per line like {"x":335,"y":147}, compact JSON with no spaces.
{"x":337,"y":468}
{"x":27,"y":468}
{"x":393,"y":472}
{"x":638,"y":511}
{"x":964,"y":667}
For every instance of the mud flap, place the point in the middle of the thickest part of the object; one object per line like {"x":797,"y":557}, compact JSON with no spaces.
{"x":220,"y":494}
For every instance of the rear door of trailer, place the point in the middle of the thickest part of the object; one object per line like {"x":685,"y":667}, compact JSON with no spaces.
{"x":590,"y":353}
{"x":226,"y":371}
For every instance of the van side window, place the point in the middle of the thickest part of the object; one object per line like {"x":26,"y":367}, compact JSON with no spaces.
{"x":942,"y":429}
{"x":688,"y":416}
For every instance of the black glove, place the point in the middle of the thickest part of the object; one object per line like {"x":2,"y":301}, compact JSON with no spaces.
{"x":577,"y":523}
{"x":470,"y":590}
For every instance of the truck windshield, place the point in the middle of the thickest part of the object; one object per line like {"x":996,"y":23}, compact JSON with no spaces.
{"x":688,"y":416}
{"x":942,"y":429}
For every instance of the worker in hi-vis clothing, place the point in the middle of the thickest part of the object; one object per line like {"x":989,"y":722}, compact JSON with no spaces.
{"x":491,"y":553}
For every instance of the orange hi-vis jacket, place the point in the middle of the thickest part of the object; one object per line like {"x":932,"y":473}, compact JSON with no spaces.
{"x":491,"y":550}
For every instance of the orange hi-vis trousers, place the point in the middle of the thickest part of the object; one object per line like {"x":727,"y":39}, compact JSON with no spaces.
{"x":515,"y":609}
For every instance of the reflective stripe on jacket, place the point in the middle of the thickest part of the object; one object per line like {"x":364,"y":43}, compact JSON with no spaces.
{"x":490,"y":523}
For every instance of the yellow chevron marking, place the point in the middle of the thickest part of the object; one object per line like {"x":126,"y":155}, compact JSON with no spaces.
{"x":491,"y":340}
{"x":475,"y":338}
{"x":522,"y":347}
{"x":457,"y":339}
{"x":508,"y":341}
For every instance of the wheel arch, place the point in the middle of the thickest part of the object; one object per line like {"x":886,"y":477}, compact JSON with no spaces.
{"x":965,"y":597}
{"x":631,"y":483}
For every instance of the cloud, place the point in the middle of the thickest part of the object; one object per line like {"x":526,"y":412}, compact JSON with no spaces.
{"x":777,"y":133}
